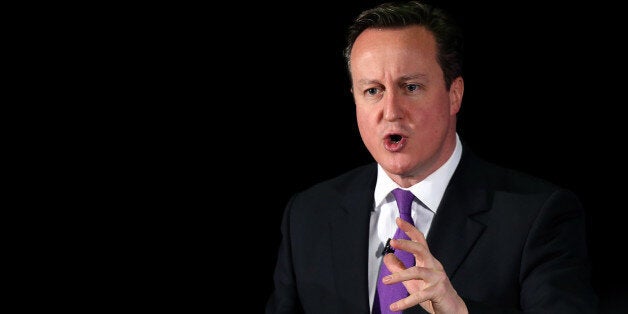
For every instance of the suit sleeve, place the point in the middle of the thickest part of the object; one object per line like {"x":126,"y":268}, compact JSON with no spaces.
{"x":555,"y":270}
{"x":284,"y":299}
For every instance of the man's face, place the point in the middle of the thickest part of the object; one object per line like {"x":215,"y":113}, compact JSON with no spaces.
{"x":405,"y":114}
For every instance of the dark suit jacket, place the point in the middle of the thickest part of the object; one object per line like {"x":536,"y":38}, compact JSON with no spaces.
{"x":508,"y":242}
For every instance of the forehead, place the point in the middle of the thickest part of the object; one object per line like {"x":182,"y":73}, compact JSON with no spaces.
{"x":410,"y":38}
{"x":399,"y":51}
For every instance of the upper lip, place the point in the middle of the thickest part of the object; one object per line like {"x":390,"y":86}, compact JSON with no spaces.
{"x":389,"y":134}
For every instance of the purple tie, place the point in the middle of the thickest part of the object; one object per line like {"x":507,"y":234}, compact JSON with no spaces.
{"x":387,"y":294}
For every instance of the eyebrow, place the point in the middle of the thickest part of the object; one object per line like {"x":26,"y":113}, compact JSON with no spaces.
{"x":414,"y":76}
{"x":403,"y":78}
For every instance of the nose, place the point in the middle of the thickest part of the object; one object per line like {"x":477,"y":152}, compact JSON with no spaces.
{"x":391,"y":106}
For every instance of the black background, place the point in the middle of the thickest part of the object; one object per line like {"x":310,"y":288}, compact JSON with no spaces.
{"x":262,"y":104}
{"x":540,"y":96}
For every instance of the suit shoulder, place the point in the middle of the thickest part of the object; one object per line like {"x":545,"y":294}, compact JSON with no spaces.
{"x":521,"y":193}
{"x":505,"y":178}
{"x":360,"y":177}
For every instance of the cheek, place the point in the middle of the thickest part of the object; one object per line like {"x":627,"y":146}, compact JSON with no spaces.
{"x":433,"y":115}
{"x":363,"y":124}
{"x":362,"y":116}
{"x":367,"y":123}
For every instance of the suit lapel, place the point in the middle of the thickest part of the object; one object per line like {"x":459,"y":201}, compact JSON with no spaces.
{"x":349,"y":232}
{"x":457,"y":224}
{"x":456,"y":227}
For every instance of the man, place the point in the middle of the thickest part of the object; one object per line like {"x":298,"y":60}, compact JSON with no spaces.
{"x":483,"y":238}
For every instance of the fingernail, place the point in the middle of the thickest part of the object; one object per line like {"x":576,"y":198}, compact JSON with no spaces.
{"x":387,"y":279}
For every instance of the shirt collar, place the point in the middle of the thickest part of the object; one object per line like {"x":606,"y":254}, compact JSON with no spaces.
{"x":430,"y":191}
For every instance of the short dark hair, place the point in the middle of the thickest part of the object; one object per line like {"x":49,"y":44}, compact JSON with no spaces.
{"x":448,"y":35}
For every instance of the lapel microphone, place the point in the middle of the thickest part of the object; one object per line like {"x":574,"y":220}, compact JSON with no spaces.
{"x":388,"y":248}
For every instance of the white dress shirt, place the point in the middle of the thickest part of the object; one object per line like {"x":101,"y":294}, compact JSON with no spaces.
{"x":430,"y":191}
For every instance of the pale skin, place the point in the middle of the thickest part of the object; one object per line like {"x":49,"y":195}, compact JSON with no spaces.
{"x":407,"y":120}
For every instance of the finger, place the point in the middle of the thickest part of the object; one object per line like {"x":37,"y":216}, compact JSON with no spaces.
{"x":393,"y":263}
{"x":428,"y":275}
{"x":420,"y":297}
{"x":412,"y":231}
{"x":421,"y":253}
{"x":434,"y":292}
{"x":422,"y":294}
{"x":410,"y":301}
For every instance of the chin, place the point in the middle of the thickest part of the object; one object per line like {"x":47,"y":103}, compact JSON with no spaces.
{"x":397,"y":167}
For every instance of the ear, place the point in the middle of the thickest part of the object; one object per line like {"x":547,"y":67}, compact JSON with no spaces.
{"x":455,"y":95}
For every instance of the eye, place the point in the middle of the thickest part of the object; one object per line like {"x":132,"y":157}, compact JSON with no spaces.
{"x":372,"y":91}
{"x":412,"y":87}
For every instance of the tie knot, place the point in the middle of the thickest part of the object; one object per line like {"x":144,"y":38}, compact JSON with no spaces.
{"x":404,"y":201}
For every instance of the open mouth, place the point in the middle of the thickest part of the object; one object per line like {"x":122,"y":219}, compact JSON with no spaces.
{"x":395,"y":138}
{"x":395,"y":142}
